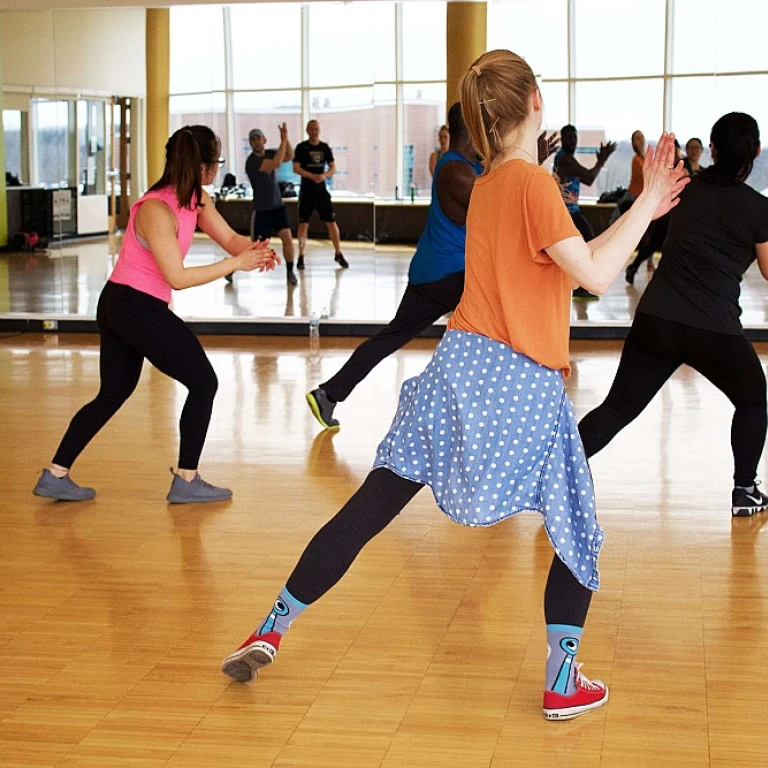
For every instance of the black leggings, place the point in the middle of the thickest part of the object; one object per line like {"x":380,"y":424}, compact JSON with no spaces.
{"x":652,"y":241}
{"x":653,"y":351}
{"x":420,"y":306}
{"x":375,"y":505}
{"x":133,"y":326}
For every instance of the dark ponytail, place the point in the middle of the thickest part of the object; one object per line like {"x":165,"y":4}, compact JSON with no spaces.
{"x":190,"y":148}
{"x":735,"y":138}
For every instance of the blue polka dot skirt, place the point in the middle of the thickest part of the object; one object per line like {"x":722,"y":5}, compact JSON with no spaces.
{"x":493,"y":433}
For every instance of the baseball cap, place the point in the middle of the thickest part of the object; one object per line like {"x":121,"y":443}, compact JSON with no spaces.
{"x":256,"y":132}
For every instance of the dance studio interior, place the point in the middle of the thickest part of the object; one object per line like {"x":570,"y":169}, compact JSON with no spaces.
{"x":123,"y":603}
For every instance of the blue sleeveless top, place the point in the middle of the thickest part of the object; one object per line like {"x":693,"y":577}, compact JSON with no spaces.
{"x":572,"y":184}
{"x":440,"y":251}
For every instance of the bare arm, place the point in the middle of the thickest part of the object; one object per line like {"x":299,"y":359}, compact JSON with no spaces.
{"x":331,"y":170}
{"x":762,"y":258}
{"x":432,"y":163}
{"x":297,"y":169}
{"x":156,"y":223}
{"x":454,"y":188}
{"x":595,"y":265}
{"x":284,"y":153}
{"x":569,"y":166}
{"x":214,"y":225}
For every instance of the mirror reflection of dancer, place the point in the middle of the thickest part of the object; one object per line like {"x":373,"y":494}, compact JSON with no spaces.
{"x":269,"y":216}
{"x":572,"y":173}
{"x":444,"y":137}
{"x":488,"y":425}
{"x":436,"y":273}
{"x":135,"y":321}
{"x":435,"y":276}
{"x":314,"y":162}
{"x":689,"y":313}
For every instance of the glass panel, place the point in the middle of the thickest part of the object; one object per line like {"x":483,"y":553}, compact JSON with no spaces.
{"x":555,"y":96}
{"x":693,"y":39}
{"x":608,"y":111}
{"x":554,"y":19}
{"x":346,"y":122}
{"x":425,"y":112}
{"x":518,"y":27}
{"x":197,"y":68}
{"x":385,"y":135}
{"x":262,"y":60}
{"x":55,"y":141}
{"x":266,"y":111}
{"x":336,"y":55}
{"x":711,"y":36}
{"x":606,"y":45}
{"x":14,"y":130}
{"x":384,"y":41}
{"x":91,"y":138}
{"x":203,"y":109}
{"x":424,"y":38}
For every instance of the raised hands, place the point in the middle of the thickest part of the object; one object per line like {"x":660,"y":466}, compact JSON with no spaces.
{"x":605,"y":151}
{"x":259,"y":256}
{"x":548,"y":145}
{"x":283,"y":128}
{"x":664,"y":177}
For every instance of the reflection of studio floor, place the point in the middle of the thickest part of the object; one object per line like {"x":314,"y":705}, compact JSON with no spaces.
{"x":430,"y":652}
{"x":65,"y":285}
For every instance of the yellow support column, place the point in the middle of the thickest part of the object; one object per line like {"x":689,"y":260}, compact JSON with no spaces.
{"x":158,"y":85}
{"x":466,"y":39}
{"x":3,"y":195}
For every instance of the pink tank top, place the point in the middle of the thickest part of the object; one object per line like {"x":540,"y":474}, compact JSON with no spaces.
{"x":136,"y":266}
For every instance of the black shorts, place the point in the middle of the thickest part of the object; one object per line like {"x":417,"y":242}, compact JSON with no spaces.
{"x":264,"y":224}
{"x":319,"y":201}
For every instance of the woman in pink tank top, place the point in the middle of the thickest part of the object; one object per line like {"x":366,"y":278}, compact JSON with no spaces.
{"x":135,"y":321}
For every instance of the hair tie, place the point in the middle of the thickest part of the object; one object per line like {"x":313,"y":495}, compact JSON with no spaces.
{"x":477,"y":70}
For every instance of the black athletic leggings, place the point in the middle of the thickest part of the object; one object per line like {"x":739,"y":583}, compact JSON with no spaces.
{"x":652,"y":241}
{"x":375,"y":505}
{"x":420,"y":306}
{"x":655,"y":348}
{"x":133,"y":326}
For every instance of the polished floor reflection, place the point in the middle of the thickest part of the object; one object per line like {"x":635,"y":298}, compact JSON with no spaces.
{"x":116,"y":613}
{"x":67,"y":282}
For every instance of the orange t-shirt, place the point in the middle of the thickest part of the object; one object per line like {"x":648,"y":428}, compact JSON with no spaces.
{"x":513,"y":291}
{"x":636,"y":177}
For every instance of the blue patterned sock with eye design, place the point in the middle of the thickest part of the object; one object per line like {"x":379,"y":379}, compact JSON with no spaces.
{"x":563,"y":643}
{"x":282,"y":615}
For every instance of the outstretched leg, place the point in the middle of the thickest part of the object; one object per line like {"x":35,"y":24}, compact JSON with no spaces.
{"x":648,"y":359}
{"x":326,"y":559}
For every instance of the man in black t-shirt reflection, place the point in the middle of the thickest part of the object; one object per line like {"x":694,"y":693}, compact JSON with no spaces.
{"x":313,"y":160}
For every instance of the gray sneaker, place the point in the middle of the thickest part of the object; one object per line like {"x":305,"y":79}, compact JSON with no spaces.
{"x":196,"y":490}
{"x":322,"y":409}
{"x":61,"y":488}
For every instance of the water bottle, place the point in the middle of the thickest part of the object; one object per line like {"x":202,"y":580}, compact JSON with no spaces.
{"x":314,"y":335}
{"x":324,"y":313}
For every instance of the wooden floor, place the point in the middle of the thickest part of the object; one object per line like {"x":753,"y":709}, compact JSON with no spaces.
{"x":115,"y":614}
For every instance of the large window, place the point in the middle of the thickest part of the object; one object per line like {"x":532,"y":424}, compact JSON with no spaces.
{"x":666,"y":64}
{"x":372,"y":74}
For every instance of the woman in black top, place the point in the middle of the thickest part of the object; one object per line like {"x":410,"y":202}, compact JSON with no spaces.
{"x":690,"y":311}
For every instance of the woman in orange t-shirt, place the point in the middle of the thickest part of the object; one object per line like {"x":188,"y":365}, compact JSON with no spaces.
{"x":488,"y":425}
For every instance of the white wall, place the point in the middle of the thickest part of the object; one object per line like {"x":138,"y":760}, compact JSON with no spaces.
{"x":94,"y":50}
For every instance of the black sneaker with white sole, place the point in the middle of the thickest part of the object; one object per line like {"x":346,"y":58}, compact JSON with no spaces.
{"x":745,"y":503}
